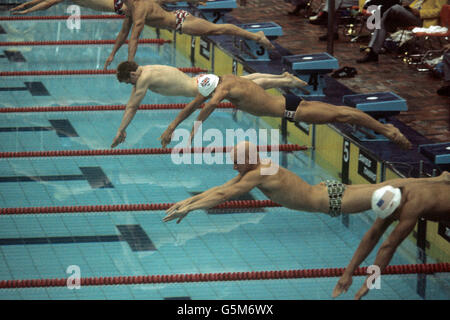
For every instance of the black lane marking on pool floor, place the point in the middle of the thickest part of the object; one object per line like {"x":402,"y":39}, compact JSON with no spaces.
{"x":2,"y":31}
{"x":13,"y":56}
{"x":93,"y":175}
{"x":134,"y":235}
{"x":63,"y":128}
{"x":36,"y":88}
{"x":246,"y":196}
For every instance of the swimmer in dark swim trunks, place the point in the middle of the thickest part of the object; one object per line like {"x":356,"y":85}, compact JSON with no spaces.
{"x":139,"y":13}
{"x":287,"y":189}
{"x":249,"y":97}
{"x":292,"y":103}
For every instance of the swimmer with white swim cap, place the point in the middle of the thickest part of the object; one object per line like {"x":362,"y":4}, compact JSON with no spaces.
{"x":424,"y":199}
{"x":207,"y":83}
{"x":285,"y":188}
{"x":170,"y":81}
{"x":246,"y":96}
{"x":385,"y":200}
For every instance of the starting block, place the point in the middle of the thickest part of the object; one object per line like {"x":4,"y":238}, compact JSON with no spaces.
{"x":213,"y":11}
{"x":439,"y":153}
{"x":314,"y":65}
{"x":379,"y":105}
{"x":251,"y":50}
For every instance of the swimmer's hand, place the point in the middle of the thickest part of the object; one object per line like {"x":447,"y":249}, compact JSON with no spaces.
{"x":120,"y":137}
{"x":108,"y":62}
{"x":15,"y":10}
{"x":166,"y":137}
{"x":342,"y":286}
{"x":177,"y":211}
{"x":362,"y":292}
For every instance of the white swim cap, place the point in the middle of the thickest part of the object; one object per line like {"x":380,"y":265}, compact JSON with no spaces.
{"x":385,"y":200}
{"x":207,"y":83}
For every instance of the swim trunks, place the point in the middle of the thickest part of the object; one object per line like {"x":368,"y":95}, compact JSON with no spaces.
{"x":335,"y":193}
{"x":292,"y":102}
{"x":180,"y":15}
{"x":118,"y":4}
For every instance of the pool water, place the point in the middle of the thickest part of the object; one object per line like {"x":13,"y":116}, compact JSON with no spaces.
{"x":205,"y":242}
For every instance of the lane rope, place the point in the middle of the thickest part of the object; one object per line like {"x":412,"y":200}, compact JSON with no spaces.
{"x":224,"y":276}
{"x":76,"y":42}
{"x":116,"y":107}
{"x":85,"y":17}
{"x":148,"y":151}
{"x":235,"y":204}
{"x":79,"y":72}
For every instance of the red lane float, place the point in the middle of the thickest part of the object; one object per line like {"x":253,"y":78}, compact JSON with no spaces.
{"x":85,"y":17}
{"x":236,"y":204}
{"x":79,"y":72}
{"x":111,"y":152}
{"x":117,"y":107}
{"x":224,"y":276}
{"x":76,"y":42}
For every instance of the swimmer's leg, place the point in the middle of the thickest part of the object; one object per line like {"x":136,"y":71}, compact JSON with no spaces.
{"x":268,"y":81}
{"x":36,"y":6}
{"x":197,"y":27}
{"x":320,"y":113}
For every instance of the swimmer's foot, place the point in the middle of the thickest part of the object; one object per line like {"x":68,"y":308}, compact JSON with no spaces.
{"x":397,"y":137}
{"x":262,"y":39}
{"x":295,"y":81}
{"x":444,"y":176}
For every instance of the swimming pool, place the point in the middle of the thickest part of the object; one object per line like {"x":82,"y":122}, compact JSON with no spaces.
{"x":42,"y":246}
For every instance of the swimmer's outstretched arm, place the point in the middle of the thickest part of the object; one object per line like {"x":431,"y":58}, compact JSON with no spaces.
{"x":166,"y":137}
{"x":132,"y":107}
{"x":387,"y":249}
{"x":139,"y":12}
{"x":36,"y":6}
{"x":365,"y":247}
{"x":216,"y":196}
{"x":219,"y":94}
{"x":120,"y":40}
{"x":202,"y":195}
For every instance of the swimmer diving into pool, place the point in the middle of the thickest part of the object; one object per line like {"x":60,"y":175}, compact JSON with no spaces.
{"x":249,"y":97}
{"x":170,"y":81}
{"x":139,"y":13}
{"x":98,"y":5}
{"x":286,"y":188}
{"x":407,"y":204}
{"x":148,"y":12}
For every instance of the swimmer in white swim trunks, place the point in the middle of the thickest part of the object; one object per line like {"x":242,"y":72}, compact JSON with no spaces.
{"x":170,"y":81}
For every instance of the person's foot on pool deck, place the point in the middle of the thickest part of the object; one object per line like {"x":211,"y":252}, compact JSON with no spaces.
{"x":397,"y":137}
{"x":264,"y":41}
{"x":295,"y":81}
